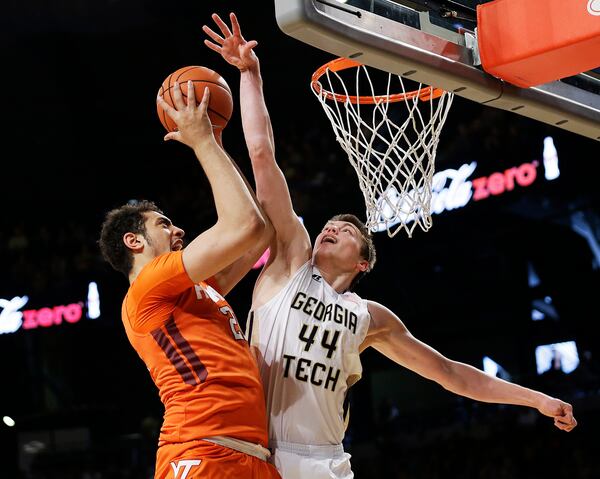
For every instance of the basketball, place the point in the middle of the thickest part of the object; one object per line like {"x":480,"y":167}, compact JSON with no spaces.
{"x":220,"y":106}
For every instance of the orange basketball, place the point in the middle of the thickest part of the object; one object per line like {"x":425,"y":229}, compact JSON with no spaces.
{"x":220,"y":106}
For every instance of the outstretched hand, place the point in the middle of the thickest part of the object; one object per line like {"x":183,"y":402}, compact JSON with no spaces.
{"x":561,"y":411}
{"x":232,"y":46}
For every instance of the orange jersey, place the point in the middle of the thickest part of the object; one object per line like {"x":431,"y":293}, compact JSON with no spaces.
{"x":190,"y":340}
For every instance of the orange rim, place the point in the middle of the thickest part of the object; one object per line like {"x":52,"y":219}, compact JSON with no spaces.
{"x":339,"y":64}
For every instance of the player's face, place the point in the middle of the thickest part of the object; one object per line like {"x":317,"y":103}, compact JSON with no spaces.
{"x":162,"y":236}
{"x":341,"y":242}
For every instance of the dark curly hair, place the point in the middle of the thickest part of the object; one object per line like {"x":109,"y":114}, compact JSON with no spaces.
{"x":367,"y":250}
{"x":128,"y":218}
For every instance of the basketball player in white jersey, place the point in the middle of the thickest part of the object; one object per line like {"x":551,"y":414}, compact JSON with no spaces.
{"x":307,"y":329}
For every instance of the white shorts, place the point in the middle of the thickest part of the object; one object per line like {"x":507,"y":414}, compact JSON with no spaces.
{"x":301,"y":461}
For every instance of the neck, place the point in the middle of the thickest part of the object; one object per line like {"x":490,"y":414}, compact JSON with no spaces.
{"x":138,"y":264}
{"x":338,"y":280}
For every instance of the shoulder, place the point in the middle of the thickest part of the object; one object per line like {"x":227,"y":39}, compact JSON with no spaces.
{"x":384,"y":322}
{"x":165,"y":272}
{"x":273,"y":280}
{"x":377,"y":310}
{"x":169,"y":261}
{"x":361,"y":304}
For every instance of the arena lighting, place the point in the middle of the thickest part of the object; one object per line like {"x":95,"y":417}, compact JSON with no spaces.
{"x":13,"y":317}
{"x":543,"y":308}
{"x":533,"y":279}
{"x":537,"y":315}
{"x":9,"y":421}
{"x":93,"y":301}
{"x":492,"y":368}
{"x":582,"y":223}
{"x":561,"y":356}
{"x":550,"y":155}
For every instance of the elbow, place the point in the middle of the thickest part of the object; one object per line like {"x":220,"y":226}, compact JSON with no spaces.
{"x":260,"y":148}
{"x":254,"y":228}
{"x":449,"y":379}
{"x":268,"y":235}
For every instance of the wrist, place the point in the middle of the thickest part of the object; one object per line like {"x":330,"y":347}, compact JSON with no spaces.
{"x":252,"y":70}
{"x":207,"y":141}
{"x":539,"y":399}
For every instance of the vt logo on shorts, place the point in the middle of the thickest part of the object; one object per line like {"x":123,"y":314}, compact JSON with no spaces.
{"x":184,"y":466}
{"x":594,"y":7}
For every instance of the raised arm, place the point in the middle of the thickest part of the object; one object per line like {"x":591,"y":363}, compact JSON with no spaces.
{"x":291,"y":244}
{"x":240,"y":223}
{"x":388,"y":335}
{"x":232,"y":274}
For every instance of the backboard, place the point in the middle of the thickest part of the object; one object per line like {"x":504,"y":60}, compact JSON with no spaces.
{"x":434,"y":42}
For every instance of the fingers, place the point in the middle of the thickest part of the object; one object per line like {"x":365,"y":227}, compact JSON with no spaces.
{"x":246,"y":50}
{"x":566,"y":421}
{"x":574,"y":423}
{"x":173,"y":135}
{"x":212,"y":34}
{"x":213,"y":46}
{"x":203,"y":106}
{"x":172,"y":112}
{"x":222,"y":25}
{"x":235,"y":25}
{"x":165,"y":106}
{"x":191,"y":95}
{"x":178,"y":97}
{"x":560,"y":425}
{"x":565,"y":426}
{"x":249,"y":46}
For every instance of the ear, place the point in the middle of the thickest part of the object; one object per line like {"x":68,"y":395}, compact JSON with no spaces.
{"x":133,"y":242}
{"x":362,"y":265}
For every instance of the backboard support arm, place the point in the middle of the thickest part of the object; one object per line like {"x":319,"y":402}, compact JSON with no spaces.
{"x":430,"y":54}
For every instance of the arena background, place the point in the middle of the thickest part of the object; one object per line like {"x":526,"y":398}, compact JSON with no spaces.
{"x":80,"y":135}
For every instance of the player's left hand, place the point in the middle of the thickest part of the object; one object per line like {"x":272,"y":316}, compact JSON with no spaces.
{"x":232,"y":46}
{"x":561,"y":411}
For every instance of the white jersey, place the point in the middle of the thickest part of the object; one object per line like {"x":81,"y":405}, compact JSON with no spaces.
{"x":306,"y":340}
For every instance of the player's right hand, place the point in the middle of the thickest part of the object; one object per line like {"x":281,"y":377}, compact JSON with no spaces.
{"x":193,"y":123}
{"x":232,"y":46}
{"x":561,"y":411}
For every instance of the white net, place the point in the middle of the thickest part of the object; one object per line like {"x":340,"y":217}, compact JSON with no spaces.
{"x":390,"y":139}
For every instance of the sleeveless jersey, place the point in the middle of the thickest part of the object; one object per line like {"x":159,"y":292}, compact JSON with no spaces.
{"x":306,"y":340}
{"x":191,"y":343}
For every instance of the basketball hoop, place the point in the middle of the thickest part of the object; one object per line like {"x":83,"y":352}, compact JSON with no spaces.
{"x":391,"y":150}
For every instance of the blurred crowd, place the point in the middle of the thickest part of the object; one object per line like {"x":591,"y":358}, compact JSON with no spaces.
{"x":471,"y":441}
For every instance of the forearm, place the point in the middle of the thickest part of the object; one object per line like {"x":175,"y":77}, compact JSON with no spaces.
{"x":271,"y":186}
{"x":256,"y":122}
{"x":233,"y":201}
{"x":268,"y":230}
{"x":468,"y":381}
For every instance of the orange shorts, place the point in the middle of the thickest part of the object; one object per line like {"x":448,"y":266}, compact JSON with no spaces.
{"x":204,"y":460}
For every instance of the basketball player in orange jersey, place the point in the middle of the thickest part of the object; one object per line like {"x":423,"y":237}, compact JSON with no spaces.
{"x":177,"y":320}
{"x":308,"y":329}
